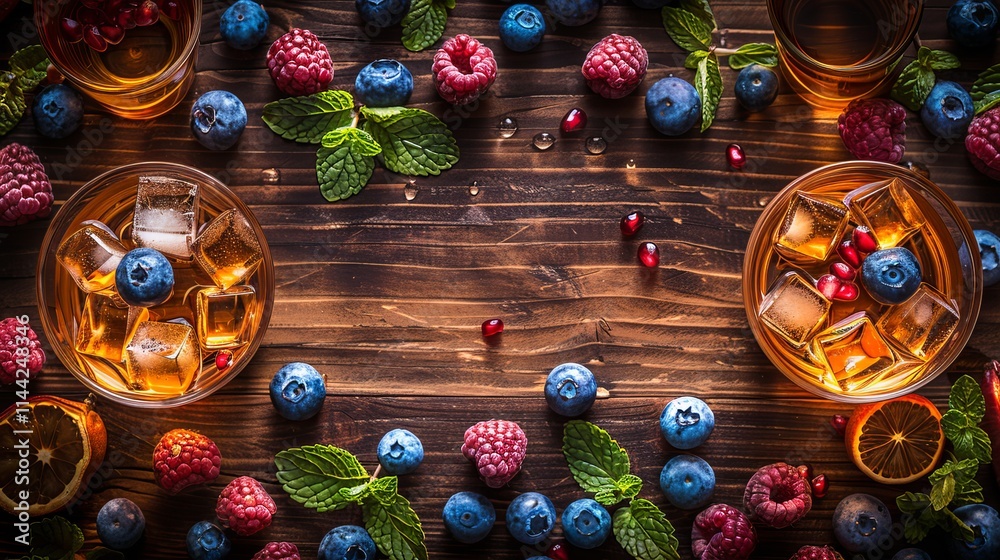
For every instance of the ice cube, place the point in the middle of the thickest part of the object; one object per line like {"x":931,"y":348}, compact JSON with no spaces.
{"x":105,"y":325}
{"x":794,"y":309}
{"x":853,"y":353}
{"x":812,"y":227}
{"x":887,"y":209}
{"x":166,"y":212}
{"x":91,"y":256}
{"x":228,"y":248}
{"x":224,"y":316}
{"x":162,"y":357}
{"x":922,"y":324}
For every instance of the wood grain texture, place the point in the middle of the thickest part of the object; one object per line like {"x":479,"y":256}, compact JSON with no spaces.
{"x":385,"y":295}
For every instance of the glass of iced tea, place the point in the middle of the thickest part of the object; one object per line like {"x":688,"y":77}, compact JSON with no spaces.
{"x":186,"y":347}
{"x":136,"y":58}
{"x":809,"y":308}
{"x":833,"y":51}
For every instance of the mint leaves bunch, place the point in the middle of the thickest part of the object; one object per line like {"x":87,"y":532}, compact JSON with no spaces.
{"x":916,"y":81}
{"x":985,"y":90}
{"x":56,"y":538}
{"x":690,"y":24}
{"x":405,"y":140}
{"x":27,"y":70}
{"x":601,"y":466}
{"x":953,"y":484}
{"x":424,"y":24}
{"x":328,"y":478}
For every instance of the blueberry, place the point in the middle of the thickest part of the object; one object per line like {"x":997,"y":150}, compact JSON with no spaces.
{"x":58,"y":111}
{"x":570,"y":389}
{"x":756,"y":87}
{"x":672,"y":106}
{"x":297,"y":391}
{"x":687,"y":481}
{"x":244,"y":25}
{"x":686,"y":422}
{"x":382,"y":13}
{"x":469,"y":517}
{"x":522,"y":27}
{"x":891,"y":275}
{"x":973,"y":23}
{"x":400,"y":452}
{"x":384,"y":83}
{"x":217,"y":119}
{"x":861,"y":522}
{"x":347,"y":542}
{"x":947,"y":111}
{"x":574,"y":12}
{"x":985,"y":524}
{"x":911,"y":554}
{"x":586,"y":524}
{"x":530,"y":518}
{"x":120,"y":524}
{"x":207,"y":541}
{"x":989,"y":254}
{"x":144,"y":277}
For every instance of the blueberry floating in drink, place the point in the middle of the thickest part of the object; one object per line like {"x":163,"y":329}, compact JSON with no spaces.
{"x":891,"y":276}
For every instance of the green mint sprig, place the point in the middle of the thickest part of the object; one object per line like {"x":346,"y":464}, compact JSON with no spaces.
{"x":915,"y":82}
{"x":328,"y":478}
{"x":600,"y":465}
{"x":690,"y":24}
{"x":953,"y":484}
{"x":27,"y":70}
{"x":985,"y":90}
{"x":406,"y":140}
{"x":56,"y":538}
{"x":424,"y":24}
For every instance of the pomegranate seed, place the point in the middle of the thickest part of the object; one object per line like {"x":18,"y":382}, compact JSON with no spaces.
{"x":849,"y":253}
{"x":170,"y":9}
{"x":828,"y":285}
{"x":864,"y":240}
{"x":492,"y":327}
{"x":147,"y":13}
{"x":126,"y":18}
{"x":649,"y":254}
{"x":819,"y":486}
{"x":839,"y":423}
{"x":574,"y":120}
{"x":735,"y":155}
{"x":631,"y":223}
{"x":848,"y":292}
{"x":72,"y":30}
{"x":805,"y":471}
{"x":842,"y":271}
{"x":557,"y":551}
{"x":92,"y":36}
{"x":112,"y":33}
{"x":223,"y":359}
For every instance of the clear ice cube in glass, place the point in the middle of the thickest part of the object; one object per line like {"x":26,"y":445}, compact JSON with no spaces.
{"x":922,"y":324}
{"x":887,"y":209}
{"x":853,"y":353}
{"x":105,"y":326}
{"x":166,"y":211}
{"x":794,"y":309}
{"x":91,"y":255}
{"x":224,"y":316}
{"x":228,"y":248}
{"x":812,"y":227}
{"x":162,"y":357}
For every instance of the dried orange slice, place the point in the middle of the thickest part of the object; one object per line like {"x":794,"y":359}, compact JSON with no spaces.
{"x":51,"y":447}
{"x":896,"y":441}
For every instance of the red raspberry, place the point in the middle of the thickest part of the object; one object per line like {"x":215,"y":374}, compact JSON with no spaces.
{"x":983,"y":143}
{"x":278,"y":551}
{"x":14,"y":335}
{"x":777,"y":495}
{"x":299,"y":63}
{"x":497,"y":448}
{"x":463,"y":70}
{"x":615,"y":66}
{"x":245,"y":507}
{"x":816,"y":553}
{"x":25,"y":192}
{"x":184,"y":458}
{"x":722,"y":532}
{"x":874,"y":129}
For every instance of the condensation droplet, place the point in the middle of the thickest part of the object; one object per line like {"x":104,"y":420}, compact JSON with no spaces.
{"x":544,"y":140}
{"x":410,"y":191}
{"x":603,"y":393}
{"x":764,"y":200}
{"x":474,"y":188}
{"x":507,"y":127}
{"x":270,"y":176}
{"x":630,"y":164}
{"x":596,"y":145}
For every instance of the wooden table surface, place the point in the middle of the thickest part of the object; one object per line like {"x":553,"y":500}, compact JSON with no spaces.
{"x":385,"y":295}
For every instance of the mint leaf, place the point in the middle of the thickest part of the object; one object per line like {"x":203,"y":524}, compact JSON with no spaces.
{"x":414,"y":142}
{"x":55,"y":538}
{"x":754,"y":53}
{"x":395,"y":528}
{"x":101,"y":553}
{"x":313,"y":475}
{"x":383,"y":490}
{"x":30,"y":65}
{"x":970,"y":441}
{"x":986,"y":83}
{"x":942,"y":60}
{"x":608,"y":496}
{"x":951,"y":523}
{"x":629,"y":486}
{"x":967,"y":397}
{"x":966,"y":489}
{"x":692,"y":60}
{"x":701,"y":10}
{"x":308,"y":118}
{"x":942,"y":492}
{"x":644,"y":532}
{"x":708,"y":84}
{"x":918,"y":516}
{"x":596,"y":461}
{"x":12,"y":105}
{"x":345,"y":162}
{"x":986,"y":103}
{"x":913,"y":85}
{"x":424,"y":24}
{"x":686,"y":29}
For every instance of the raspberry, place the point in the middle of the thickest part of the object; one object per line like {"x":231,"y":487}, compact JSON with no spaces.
{"x":497,"y":448}
{"x":184,"y":458}
{"x":722,"y":532}
{"x":463,"y":69}
{"x":874,"y":129}
{"x":615,"y":66}
{"x":816,"y":553}
{"x":299,"y":63}
{"x":278,"y":551}
{"x":245,"y":507}
{"x":15,"y":335}
{"x":983,"y":143}
{"x":778,"y":495}
{"x":25,"y":192}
